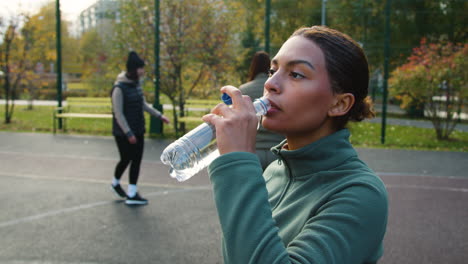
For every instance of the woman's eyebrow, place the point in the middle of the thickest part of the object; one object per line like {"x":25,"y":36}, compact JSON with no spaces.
{"x":294,"y":62}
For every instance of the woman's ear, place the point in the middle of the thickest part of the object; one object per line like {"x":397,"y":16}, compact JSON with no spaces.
{"x":343,"y":102}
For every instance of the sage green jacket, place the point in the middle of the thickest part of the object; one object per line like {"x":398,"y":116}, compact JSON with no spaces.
{"x":317,"y":204}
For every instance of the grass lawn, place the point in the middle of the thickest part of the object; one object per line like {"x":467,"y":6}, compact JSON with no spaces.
{"x":40,"y":120}
{"x":364,"y":134}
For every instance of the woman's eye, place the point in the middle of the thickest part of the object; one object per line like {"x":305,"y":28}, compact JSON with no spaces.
{"x":296,"y":75}
{"x":271,"y":72}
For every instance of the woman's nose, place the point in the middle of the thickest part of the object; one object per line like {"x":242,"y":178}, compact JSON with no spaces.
{"x":272,"y":84}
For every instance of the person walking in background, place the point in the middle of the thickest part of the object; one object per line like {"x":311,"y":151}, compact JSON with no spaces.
{"x":128,"y":126}
{"x":258,"y":74}
{"x":320,"y":203}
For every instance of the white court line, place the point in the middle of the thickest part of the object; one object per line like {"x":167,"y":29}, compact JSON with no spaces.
{"x":183,"y":189}
{"x":430,"y":188}
{"x":88,"y":206}
{"x":58,"y":178}
{"x":422,"y":174}
{"x":159,"y":193}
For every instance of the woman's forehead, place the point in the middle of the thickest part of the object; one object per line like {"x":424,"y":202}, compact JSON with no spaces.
{"x":299,"y":48}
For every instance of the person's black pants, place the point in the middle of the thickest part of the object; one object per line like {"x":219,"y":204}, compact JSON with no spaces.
{"x":129,"y":153}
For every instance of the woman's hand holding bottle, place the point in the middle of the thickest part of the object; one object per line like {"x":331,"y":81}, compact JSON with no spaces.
{"x":236,"y":125}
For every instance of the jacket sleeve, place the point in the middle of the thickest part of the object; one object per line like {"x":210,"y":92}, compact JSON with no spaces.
{"x":148,"y":108}
{"x":348,"y":228}
{"x":344,"y":230}
{"x":249,"y":231}
{"x":117,"y":108}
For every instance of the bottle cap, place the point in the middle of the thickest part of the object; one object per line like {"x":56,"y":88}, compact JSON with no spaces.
{"x":226,"y":99}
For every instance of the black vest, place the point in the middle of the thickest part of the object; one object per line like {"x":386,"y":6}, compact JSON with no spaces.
{"x":132,"y":109}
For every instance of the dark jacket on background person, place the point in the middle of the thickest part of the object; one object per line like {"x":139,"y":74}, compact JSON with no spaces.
{"x":128,"y":105}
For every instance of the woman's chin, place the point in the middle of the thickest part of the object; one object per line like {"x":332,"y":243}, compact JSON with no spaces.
{"x":270,"y":124}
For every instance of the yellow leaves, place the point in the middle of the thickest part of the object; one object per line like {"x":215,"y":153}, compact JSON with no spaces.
{"x":51,"y":55}
{"x":405,"y":101}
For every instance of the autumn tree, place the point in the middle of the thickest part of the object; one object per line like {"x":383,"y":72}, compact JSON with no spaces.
{"x":435,"y":78}
{"x":40,"y":33}
{"x":43,"y":27}
{"x":195,"y":47}
{"x":288,"y":15}
{"x":409,"y":22}
{"x":94,"y":54}
{"x":364,"y":21}
{"x":13,"y":53}
{"x":30,"y":81}
{"x":250,"y":29}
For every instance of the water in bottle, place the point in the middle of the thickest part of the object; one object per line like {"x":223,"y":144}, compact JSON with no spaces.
{"x":197,"y":149}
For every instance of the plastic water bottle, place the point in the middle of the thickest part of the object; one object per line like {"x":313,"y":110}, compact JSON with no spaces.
{"x":197,"y":149}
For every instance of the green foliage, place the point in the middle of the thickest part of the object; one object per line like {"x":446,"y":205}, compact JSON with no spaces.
{"x":93,"y":57}
{"x":288,"y":15}
{"x":250,"y":15}
{"x":409,"y":21}
{"x":250,"y":45}
{"x":42,"y":29}
{"x":195,"y":44}
{"x":34,"y":49}
{"x":13,"y":64}
{"x":206,"y":44}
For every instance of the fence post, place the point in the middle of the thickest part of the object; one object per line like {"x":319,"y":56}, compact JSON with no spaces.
{"x":267,"y":25}
{"x":59,"y":59}
{"x":156,"y":126}
{"x":386,"y":59}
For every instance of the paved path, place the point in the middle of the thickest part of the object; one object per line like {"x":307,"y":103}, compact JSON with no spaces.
{"x":55,"y":206}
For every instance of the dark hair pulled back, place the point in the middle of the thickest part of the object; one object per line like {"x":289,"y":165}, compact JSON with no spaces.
{"x":347,"y":69}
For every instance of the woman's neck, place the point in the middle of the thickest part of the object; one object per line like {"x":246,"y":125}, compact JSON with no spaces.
{"x":298,"y":141}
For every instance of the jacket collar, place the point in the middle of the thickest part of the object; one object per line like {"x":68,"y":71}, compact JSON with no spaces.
{"x":321,"y":155}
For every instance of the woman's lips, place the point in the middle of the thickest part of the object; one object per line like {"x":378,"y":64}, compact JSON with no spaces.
{"x":273,"y":109}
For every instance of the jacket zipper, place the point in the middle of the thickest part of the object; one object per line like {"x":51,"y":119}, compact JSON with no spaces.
{"x":286,"y":188}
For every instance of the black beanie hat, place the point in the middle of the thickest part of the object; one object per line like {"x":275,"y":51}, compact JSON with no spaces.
{"x":134,"y":62}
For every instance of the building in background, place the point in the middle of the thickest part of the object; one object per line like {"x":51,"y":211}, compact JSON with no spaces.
{"x":100,"y":16}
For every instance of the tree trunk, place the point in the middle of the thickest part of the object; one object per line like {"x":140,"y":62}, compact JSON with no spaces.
{"x":7,"y":96}
{"x":182,"y":112}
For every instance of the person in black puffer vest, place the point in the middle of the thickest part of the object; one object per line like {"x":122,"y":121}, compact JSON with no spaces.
{"x":128,"y":126}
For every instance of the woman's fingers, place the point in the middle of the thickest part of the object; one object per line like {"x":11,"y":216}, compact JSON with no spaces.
{"x":235,"y":125}
{"x":221,"y":109}
{"x":238,"y":99}
{"x":234,"y":93}
{"x":210,"y":118}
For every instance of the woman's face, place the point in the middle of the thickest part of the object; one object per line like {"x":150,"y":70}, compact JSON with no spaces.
{"x":300,"y":92}
{"x":141,"y":72}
